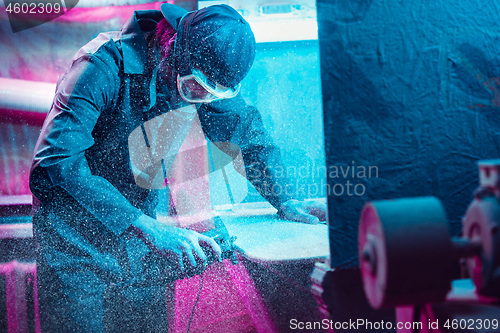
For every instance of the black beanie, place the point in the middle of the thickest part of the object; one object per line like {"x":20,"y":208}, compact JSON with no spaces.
{"x":220,"y":43}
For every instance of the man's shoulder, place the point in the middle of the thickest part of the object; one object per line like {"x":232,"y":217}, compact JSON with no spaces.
{"x":106,"y":47}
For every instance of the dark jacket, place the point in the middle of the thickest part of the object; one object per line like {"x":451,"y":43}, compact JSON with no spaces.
{"x":81,"y":170}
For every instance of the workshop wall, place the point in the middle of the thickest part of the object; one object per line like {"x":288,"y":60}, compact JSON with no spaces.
{"x":284,"y":84}
{"x":410,"y":88}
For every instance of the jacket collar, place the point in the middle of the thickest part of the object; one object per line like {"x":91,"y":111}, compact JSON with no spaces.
{"x":134,"y":46}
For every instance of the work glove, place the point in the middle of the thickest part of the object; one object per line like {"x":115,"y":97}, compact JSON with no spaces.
{"x":311,"y":212}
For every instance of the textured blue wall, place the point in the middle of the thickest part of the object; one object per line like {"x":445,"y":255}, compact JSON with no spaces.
{"x":411,"y":87}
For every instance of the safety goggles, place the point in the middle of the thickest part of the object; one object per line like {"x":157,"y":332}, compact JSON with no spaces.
{"x":197,"y":88}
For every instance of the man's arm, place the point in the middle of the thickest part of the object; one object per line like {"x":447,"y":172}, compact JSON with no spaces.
{"x":235,"y":122}
{"x":87,"y":88}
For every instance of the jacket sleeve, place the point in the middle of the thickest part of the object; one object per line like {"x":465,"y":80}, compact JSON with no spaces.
{"x":88,"y":87}
{"x":234,"y":121}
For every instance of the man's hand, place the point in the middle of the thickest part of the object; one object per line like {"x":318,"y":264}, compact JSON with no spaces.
{"x":172,"y":242}
{"x":311,"y":212}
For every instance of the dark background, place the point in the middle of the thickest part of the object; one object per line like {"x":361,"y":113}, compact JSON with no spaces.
{"x":410,"y":87}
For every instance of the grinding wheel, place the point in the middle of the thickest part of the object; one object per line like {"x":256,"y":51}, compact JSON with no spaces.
{"x":405,"y":252}
{"x":481,"y":224}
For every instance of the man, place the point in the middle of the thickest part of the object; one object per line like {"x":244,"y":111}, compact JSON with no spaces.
{"x":96,"y":218}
